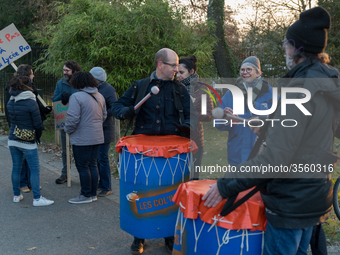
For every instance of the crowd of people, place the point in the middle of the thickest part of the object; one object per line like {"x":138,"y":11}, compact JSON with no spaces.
{"x":294,"y":206}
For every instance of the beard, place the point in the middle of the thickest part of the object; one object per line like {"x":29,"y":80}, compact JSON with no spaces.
{"x":67,"y":77}
{"x":289,"y":62}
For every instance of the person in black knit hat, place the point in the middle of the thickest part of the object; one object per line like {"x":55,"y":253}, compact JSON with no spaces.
{"x":294,"y":205}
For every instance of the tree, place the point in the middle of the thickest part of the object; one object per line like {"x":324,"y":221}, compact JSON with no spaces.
{"x":222,"y":53}
{"x":333,"y":46}
{"x":26,"y":15}
{"x":122,"y":37}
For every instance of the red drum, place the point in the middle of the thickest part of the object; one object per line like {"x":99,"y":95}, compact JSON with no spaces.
{"x":150,"y":169}
{"x":201,"y":230}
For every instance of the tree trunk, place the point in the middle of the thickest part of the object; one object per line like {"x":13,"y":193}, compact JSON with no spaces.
{"x":222,"y":53}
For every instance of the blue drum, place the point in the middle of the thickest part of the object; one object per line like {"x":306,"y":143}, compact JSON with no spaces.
{"x":150,"y":169}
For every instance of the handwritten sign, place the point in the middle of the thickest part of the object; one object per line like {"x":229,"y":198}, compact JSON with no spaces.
{"x":60,"y":114}
{"x":12,"y":45}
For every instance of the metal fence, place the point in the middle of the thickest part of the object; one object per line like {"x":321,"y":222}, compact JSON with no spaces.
{"x":42,"y":81}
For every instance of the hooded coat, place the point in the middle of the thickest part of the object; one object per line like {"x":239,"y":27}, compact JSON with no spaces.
{"x":85,"y":117}
{"x":297,"y":202}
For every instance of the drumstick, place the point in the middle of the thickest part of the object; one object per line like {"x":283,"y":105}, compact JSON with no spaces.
{"x":218,"y":113}
{"x":154,"y":91}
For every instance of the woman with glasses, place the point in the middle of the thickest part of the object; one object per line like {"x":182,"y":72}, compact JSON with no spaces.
{"x":241,"y":138}
{"x":188,"y":76}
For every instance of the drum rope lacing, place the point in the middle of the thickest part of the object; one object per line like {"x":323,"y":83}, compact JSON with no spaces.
{"x":186,"y":165}
{"x":225,"y":238}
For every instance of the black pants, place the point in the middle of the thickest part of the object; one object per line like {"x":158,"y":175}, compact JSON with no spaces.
{"x":318,"y":241}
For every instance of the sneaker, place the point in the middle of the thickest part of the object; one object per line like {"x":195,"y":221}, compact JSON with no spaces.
{"x":169,"y":244}
{"x":99,"y":189}
{"x":62,"y":179}
{"x":42,"y":201}
{"x":94,"y":198}
{"x":80,"y":200}
{"x":104,"y":193}
{"x":17,"y":199}
{"x":25,"y":189}
{"x":137,"y":246}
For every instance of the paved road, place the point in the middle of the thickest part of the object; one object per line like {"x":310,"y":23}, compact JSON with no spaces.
{"x":63,"y":228}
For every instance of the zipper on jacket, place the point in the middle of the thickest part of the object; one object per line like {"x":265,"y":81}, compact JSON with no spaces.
{"x":233,"y":137}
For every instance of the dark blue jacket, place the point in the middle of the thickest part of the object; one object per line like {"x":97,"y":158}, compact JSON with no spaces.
{"x":158,"y":114}
{"x":24,"y":114}
{"x":110,"y":96}
{"x":62,"y":86}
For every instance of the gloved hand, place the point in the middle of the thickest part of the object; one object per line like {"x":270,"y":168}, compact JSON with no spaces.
{"x":65,"y":96}
{"x":183,"y":127}
{"x":230,"y":111}
{"x":38,"y":134}
{"x":129,"y":113}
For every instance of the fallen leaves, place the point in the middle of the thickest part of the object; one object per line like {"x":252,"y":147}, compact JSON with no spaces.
{"x":31,"y":249}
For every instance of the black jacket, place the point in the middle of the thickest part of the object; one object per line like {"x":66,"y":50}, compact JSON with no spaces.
{"x":297,"y":202}
{"x":110,"y":96}
{"x":158,"y":114}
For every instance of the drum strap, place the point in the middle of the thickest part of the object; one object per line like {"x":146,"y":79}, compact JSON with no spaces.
{"x":229,"y":206}
{"x":137,"y":95}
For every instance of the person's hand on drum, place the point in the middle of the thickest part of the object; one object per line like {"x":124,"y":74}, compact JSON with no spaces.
{"x":212,"y":197}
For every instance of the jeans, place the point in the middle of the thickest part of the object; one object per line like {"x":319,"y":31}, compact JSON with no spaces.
{"x":104,"y":167}
{"x":280,"y":241}
{"x":62,"y":136}
{"x":25,"y":175}
{"x":33,"y":162}
{"x":86,"y":162}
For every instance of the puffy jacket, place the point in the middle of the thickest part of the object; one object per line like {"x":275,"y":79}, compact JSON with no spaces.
{"x":297,"y":200}
{"x":158,"y":114}
{"x":85,"y":117}
{"x":23,"y":112}
{"x":109,"y":94}
{"x":241,"y":139}
{"x":62,"y":86}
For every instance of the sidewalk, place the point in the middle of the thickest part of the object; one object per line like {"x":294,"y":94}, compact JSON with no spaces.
{"x":64,"y":228}
{"x":61,"y":228}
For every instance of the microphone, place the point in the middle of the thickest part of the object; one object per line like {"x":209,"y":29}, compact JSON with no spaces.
{"x":154,"y":91}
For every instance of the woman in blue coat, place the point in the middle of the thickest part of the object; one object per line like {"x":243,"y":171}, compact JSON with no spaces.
{"x":241,"y":139}
{"x":25,"y":130}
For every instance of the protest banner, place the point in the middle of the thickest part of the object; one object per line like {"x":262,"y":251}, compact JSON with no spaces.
{"x":60,"y":115}
{"x":12,"y":46}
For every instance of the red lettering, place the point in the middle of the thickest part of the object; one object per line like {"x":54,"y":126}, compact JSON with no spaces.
{"x":144,"y":205}
{"x":59,"y":117}
{"x":140,"y":206}
{"x":7,"y":37}
{"x":149,"y":204}
{"x":160,"y":200}
{"x":1,"y":41}
{"x":17,"y":34}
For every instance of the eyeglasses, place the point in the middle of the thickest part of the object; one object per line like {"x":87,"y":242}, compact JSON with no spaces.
{"x":66,"y":71}
{"x":172,"y":65}
{"x":248,"y":70}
